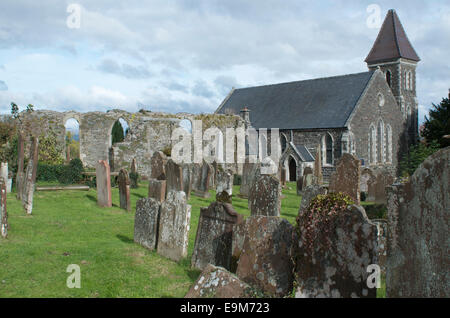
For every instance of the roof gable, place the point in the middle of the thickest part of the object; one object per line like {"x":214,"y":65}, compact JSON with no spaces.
{"x":392,"y":42}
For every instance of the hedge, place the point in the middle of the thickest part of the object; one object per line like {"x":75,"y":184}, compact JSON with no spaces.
{"x":64,"y":174}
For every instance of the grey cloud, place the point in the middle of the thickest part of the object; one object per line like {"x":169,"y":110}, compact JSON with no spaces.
{"x":126,"y":70}
{"x":225,"y":83}
{"x":3,"y":86}
{"x":202,"y":89}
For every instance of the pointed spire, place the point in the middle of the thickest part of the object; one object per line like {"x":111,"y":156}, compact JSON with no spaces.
{"x":392,"y":42}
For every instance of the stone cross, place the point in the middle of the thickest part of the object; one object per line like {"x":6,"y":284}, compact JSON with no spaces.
{"x":103,"y":176}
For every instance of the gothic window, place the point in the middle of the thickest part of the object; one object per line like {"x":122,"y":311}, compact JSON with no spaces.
{"x":327,"y":147}
{"x":380,"y":145}
{"x":388,"y":78}
{"x":372,"y":144}
{"x":388,"y":143}
{"x":409,"y":84}
{"x":283,"y":143}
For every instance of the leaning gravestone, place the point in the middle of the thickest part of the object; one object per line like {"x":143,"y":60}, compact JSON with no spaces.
{"x":333,"y":253}
{"x":217,"y":282}
{"x":214,"y":235}
{"x":418,"y":231}
{"x":146,"y":222}
{"x":3,"y":211}
{"x":250,"y":172}
{"x":224,"y":181}
{"x":263,"y":246}
{"x":174,"y":226}
{"x":265,"y":196}
{"x":20,"y":163}
{"x":124,"y":190}
{"x":383,"y":180}
{"x":158,"y":166}
{"x":103,"y":177}
{"x":30,"y":176}
{"x":310,"y":193}
{"x":174,"y":175}
{"x":157,"y":190}
{"x":346,"y":177}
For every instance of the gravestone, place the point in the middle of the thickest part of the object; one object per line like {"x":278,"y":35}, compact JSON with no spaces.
{"x":310,"y":193}
{"x":174,"y":226}
{"x":307,"y":178}
{"x":30,"y":177}
{"x":157,"y":190}
{"x":103,"y":177}
{"x":217,"y":282}
{"x":283,"y":177}
{"x":383,"y":180}
{"x":196,"y":172}
{"x":367,"y":176}
{"x":3,"y":210}
{"x":213,"y":241}
{"x":382,"y":243}
{"x":318,"y":175}
{"x":265,"y":196}
{"x":158,"y":166}
{"x":134,"y":174}
{"x":202,"y":188}
{"x":4,"y":171}
{"x":146,"y":222}
{"x":262,"y":245}
{"x":124,"y":190}
{"x":174,"y":176}
{"x":299,"y":184}
{"x":250,"y":172}
{"x":418,"y":231}
{"x":224,"y":181}
{"x":187,"y":187}
{"x":20,"y":164}
{"x":333,"y":252}
{"x":346,"y":177}
{"x":371,"y":186}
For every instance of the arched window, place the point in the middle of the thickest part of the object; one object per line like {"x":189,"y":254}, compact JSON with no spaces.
{"x":372,"y":151}
{"x":327,"y":149}
{"x":283,"y":143}
{"x":72,"y":139}
{"x":388,"y":78}
{"x":410,"y":84}
{"x":186,"y":125}
{"x":388,"y":143}
{"x":380,"y":139}
{"x":119,"y":131}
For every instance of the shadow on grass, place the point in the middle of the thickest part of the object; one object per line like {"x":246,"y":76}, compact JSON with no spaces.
{"x":125,"y":239}
{"x":139,"y":196}
{"x":91,"y":197}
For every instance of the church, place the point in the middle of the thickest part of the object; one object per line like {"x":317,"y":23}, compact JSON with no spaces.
{"x":372,"y":115}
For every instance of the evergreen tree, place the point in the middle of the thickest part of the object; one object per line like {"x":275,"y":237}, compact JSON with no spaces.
{"x":437,"y":124}
{"x":117,"y":132}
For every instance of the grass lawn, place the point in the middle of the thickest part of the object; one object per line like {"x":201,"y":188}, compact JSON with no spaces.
{"x":67,"y":227}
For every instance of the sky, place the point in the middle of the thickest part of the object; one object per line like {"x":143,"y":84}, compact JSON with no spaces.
{"x":186,"y":55}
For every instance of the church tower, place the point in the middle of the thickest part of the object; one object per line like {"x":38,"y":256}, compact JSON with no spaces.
{"x":396,"y":57}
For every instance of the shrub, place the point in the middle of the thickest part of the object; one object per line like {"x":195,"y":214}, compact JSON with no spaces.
{"x":64,"y":174}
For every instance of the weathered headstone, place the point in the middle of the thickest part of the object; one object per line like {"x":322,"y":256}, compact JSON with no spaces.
{"x":187,"y":186}
{"x":262,"y":245}
{"x":124,"y":190}
{"x":383,"y":180}
{"x":174,"y":226}
{"x":307,"y":178}
{"x":224,"y":181}
{"x":30,"y":177}
{"x":196,"y":172}
{"x":250,"y":172}
{"x":146,"y":222}
{"x":3,"y":210}
{"x":157,"y":190}
{"x":174,"y":176}
{"x":134,"y":174}
{"x":367,"y":176}
{"x":202,"y":188}
{"x":382,"y":243}
{"x":20,"y":165}
{"x":213,"y":241}
{"x":418,"y":231}
{"x":310,"y":193}
{"x":333,"y":253}
{"x":4,"y":171}
{"x":318,"y":175}
{"x":299,"y":186}
{"x":158,"y":166}
{"x":265,"y":196}
{"x":346,"y":177}
{"x":283,"y":177}
{"x":217,"y":282}
{"x":103,"y":178}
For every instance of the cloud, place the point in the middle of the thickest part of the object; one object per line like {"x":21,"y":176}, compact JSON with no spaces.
{"x":126,"y":70}
{"x":3,"y":86}
{"x":201,"y":88}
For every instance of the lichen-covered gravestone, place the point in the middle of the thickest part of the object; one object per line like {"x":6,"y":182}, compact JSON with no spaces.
{"x":217,"y":282}
{"x":224,"y":181}
{"x":346,"y":177}
{"x":310,"y":193}
{"x":174,"y":176}
{"x":123,"y":181}
{"x":250,"y":172}
{"x":418,"y":231}
{"x":265,"y":196}
{"x":174,"y":224}
{"x":213,"y":241}
{"x":262,"y":245}
{"x":157,"y":189}
{"x":146,"y":222}
{"x":30,"y":176}
{"x":103,"y":178}
{"x":383,"y":180}
{"x":334,"y":249}
{"x":3,"y":211}
{"x":158,"y":164}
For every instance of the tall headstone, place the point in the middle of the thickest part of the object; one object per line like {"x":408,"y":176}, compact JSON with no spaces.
{"x":30,"y":177}
{"x":187,"y":185}
{"x":204,"y":180}
{"x":367,"y":176}
{"x":146,"y":222}
{"x":134,"y":174}
{"x":157,"y":190}
{"x":265,"y":196}
{"x":283,"y":176}
{"x":124,"y":190}
{"x":4,"y":171}
{"x":174,"y":225}
{"x":250,"y":172}
{"x":158,"y":166}
{"x":383,"y":180}
{"x":333,"y":253}
{"x":213,"y":242}
{"x":347,"y":176}
{"x":196,"y":172}
{"x":3,"y":210}
{"x":224,"y":181}
{"x":318,"y":176}
{"x":307,"y":178}
{"x":20,"y":164}
{"x":103,"y":178}
{"x":418,"y":231}
{"x":174,"y":176}
{"x":263,"y":246}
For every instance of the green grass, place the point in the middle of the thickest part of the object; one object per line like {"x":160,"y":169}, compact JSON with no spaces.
{"x":67,"y":227}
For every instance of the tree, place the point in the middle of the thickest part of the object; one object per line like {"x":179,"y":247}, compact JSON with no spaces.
{"x":117,"y":132}
{"x":50,"y":151}
{"x":416,"y":155}
{"x":437,"y":124}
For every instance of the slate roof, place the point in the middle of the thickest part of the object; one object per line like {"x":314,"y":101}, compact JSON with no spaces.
{"x":311,"y":104}
{"x":392,"y":42}
{"x":304,"y":153}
